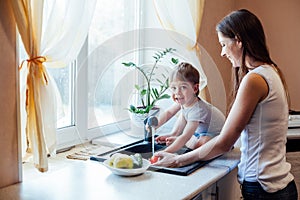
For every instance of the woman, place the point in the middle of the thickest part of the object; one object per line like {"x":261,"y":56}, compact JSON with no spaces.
{"x":259,"y":114}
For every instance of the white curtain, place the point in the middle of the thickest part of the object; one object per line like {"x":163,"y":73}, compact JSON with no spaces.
{"x":52,"y":31}
{"x":184,"y":17}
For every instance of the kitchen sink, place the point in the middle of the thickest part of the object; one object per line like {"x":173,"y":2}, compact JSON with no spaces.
{"x":145,"y":149}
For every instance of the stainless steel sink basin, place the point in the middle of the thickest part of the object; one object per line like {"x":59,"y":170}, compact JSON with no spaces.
{"x":145,"y":149}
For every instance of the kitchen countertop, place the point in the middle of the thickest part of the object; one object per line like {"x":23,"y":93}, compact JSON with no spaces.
{"x":91,"y":180}
{"x":75,"y":179}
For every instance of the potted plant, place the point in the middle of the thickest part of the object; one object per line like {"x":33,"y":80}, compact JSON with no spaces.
{"x":154,"y":88}
{"x":148,"y":93}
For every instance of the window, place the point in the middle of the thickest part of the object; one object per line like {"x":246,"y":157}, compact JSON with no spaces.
{"x":88,"y":86}
{"x":64,"y":79}
{"x":100,"y":77}
{"x":113,"y":21}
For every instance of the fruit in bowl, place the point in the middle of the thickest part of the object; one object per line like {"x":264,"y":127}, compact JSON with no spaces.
{"x":127,"y":165}
{"x":124,"y":161}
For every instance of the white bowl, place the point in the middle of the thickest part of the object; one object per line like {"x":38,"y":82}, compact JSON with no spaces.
{"x":128,"y":172}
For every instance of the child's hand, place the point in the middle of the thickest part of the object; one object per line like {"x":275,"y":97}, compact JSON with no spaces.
{"x":170,"y":140}
{"x":161,"y":139}
{"x":202,"y":140}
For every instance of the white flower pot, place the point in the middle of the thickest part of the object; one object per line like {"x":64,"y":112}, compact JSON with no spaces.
{"x":137,"y":123}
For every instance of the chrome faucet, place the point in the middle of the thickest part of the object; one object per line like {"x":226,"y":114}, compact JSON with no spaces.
{"x":149,"y":134}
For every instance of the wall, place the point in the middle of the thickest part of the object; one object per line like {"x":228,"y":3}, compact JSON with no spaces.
{"x":281,"y":23}
{"x":9,"y":159}
{"x":214,"y":11}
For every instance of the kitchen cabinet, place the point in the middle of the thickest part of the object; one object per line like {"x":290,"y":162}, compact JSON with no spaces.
{"x":224,"y":189}
{"x":209,"y":194}
{"x":228,"y":187}
{"x":293,"y":154}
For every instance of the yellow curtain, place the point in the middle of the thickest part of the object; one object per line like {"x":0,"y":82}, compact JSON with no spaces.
{"x":184,"y":17}
{"x":46,"y":44}
{"x":196,"y":9}
{"x":28,"y":16}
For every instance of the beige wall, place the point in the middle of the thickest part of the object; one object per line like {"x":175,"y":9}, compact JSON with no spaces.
{"x":9,"y":159}
{"x":215,"y":10}
{"x":282,"y":28}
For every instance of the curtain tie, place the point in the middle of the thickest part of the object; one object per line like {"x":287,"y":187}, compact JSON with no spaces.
{"x":38,"y":60}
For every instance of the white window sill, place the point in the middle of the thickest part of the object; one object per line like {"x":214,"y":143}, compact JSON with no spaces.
{"x":60,"y":160}
{"x":117,"y":139}
{"x":127,"y":136}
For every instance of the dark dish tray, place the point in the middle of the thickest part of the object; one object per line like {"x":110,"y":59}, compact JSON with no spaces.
{"x":182,"y":171}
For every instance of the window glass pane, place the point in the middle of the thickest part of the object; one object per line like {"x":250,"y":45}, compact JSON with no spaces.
{"x":64,"y":79}
{"x":108,"y":80}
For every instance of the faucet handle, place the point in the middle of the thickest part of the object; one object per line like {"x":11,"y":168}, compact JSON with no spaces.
{"x":152,"y":121}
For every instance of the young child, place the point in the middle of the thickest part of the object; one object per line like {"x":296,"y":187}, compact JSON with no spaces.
{"x":198,"y":121}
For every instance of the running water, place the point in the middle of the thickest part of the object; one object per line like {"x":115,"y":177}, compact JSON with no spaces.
{"x":153,"y":131}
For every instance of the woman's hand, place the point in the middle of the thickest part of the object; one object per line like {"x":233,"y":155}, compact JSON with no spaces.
{"x":166,"y":159}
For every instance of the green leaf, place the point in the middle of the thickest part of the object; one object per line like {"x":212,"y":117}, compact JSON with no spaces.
{"x":132,"y":108}
{"x":148,"y":108}
{"x":137,"y":87}
{"x":160,"y":82}
{"x":143,"y":92}
{"x":167,"y":82}
{"x":165,"y":96}
{"x":129,"y":64}
{"x":155,"y":93}
{"x":175,"y":61}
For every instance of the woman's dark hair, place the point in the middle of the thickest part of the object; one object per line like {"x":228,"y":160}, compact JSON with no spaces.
{"x":247,"y":28}
{"x":186,"y":72}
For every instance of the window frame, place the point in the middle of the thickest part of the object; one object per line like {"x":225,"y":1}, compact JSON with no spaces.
{"x":79,"y":133}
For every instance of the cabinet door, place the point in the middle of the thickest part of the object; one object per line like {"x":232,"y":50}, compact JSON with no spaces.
{"x":228,"y":187}
{"x":294,"y":159}
{"x":209,"y":194}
